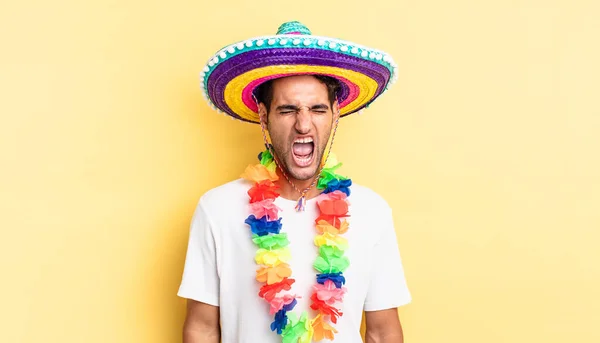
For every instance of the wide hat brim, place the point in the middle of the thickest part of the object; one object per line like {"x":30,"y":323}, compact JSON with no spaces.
{"x":230,"y":78}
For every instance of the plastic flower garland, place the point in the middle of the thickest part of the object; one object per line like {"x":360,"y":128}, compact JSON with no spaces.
{"x":273,"y":255}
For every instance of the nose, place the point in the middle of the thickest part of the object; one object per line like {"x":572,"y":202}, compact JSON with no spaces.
{"x":303,"y":120}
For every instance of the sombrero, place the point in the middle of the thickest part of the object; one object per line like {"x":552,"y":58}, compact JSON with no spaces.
{"x":230,"y":78}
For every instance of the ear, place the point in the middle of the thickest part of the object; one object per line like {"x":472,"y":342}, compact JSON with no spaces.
{"x":262,"y":113}
{"x":336,"y":110}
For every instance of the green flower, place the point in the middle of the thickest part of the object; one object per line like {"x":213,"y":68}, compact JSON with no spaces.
{"x":295,"y":328}
{"x":271,"y":242}
{"x":331,"y":260}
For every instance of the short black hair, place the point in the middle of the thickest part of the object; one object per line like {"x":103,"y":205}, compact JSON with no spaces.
{"x":264,"y":92}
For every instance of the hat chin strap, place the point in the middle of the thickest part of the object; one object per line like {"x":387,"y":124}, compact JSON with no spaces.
{"x":301,"y":205}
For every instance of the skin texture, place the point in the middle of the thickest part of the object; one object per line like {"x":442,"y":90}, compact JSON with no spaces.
{"x":201,"y":323}
{"x":383,"y":327}
{"x":300,"y":108}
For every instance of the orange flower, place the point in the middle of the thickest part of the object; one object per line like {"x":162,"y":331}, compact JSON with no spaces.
{"x":322,"y":330}
{"x":334,"y":221}
{"x":258,"y":173}
{"x":272,"y":275}
{"x":324,"y":227}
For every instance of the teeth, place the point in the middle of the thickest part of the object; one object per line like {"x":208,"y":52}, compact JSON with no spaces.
{"x":304,"y":160}
{"x":304,"y":140}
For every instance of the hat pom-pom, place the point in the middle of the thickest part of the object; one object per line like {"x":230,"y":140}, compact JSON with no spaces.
{"x":293,"y":28}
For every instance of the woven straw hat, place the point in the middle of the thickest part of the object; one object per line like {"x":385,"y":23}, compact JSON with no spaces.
{"x":231,"y":76}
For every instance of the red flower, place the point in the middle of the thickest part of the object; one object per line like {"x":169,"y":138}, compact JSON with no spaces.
{"x":337,"y":207}
{"x":270,"y":291}
{"x":265,"y":189}
{"x":324,"y":309}
{"x":332,"y":209}
{"x":332,"y":220}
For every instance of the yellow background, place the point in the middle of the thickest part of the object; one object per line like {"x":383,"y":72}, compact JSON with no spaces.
{"x":487,"y":149}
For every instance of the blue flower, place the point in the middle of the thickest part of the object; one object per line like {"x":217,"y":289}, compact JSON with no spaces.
{"x":337,"y":278}
{"x":339,"y":185}
{"x":262,"y":226}
{"x":290,"y":306}
{"x":280,"y":321}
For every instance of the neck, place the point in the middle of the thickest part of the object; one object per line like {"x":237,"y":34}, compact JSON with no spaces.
{"x":288,"y":192}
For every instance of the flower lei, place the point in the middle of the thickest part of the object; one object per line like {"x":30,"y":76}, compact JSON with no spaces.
{"x":273,"y":254}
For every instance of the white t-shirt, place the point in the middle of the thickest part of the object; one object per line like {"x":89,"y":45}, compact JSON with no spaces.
{"x":220,"y":269}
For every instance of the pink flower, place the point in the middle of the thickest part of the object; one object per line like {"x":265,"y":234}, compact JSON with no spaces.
{"x":335,"y":195}
{"x":278,"y":302}
{"x":265,"y":207}
{"x":328,"y":293}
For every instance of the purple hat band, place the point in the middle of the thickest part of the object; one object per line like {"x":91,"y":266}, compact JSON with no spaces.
{"x":242,"y":63}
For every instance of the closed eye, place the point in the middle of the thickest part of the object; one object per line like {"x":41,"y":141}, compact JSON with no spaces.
{"x":292,"y":109}
{"x":320,"y":109}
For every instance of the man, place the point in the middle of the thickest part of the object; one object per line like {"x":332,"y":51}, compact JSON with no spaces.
{"x":293,"y":252}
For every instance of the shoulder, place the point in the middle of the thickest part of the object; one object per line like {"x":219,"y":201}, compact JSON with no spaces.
{"x":226,"y":196}
{"x":363,"y":196}
{"x":370,"y":215}
{"x":225,"y":191}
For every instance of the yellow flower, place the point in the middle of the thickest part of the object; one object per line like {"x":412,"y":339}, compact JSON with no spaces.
{"x":308,"y":334}
{"x":331,"y":240}
{"x":272,"y":257}
{"x":332,"y":160}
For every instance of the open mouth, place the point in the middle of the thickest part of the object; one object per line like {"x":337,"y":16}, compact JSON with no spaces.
{"x":303,"y":151}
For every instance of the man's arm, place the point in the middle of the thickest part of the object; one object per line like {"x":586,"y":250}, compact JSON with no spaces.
{"x":201,"y":323}
{"x":383,"y":327}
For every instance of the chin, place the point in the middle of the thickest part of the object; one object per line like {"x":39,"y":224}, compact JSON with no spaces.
{"x":301,"y":168}
{"x":303,"y":174}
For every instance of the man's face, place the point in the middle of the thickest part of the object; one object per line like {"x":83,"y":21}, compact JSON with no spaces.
{"x":299,"y":122}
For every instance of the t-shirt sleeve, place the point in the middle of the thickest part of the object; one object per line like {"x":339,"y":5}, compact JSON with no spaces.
{"x":388,"y":288}
{"x":200,"y":279}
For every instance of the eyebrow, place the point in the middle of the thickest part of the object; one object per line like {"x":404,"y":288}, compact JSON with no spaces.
{"x":296,"y":108}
